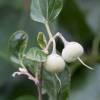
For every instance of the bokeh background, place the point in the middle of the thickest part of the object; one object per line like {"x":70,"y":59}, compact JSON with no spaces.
{"x":79,"y":21}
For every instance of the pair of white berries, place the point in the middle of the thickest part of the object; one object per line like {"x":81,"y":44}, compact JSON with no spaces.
{"x":71,"y":52}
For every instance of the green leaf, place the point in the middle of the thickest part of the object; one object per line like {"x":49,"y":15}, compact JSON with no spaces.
{"x":35,"y":54}
{"x":65,"y":78}
{"x":17,"y":44}
{"x":51,"y":85}
{"x":32,"y":66}
{"x":45,"y":10}
{"x":26,"y":97}
{"x":41,"y":39}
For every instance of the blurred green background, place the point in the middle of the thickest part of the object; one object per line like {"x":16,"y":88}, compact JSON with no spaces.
{"x":79,"y":21}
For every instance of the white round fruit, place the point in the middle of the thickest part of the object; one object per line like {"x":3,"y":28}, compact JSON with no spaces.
{"x":72,"y":51}
{"x":54,"y":63}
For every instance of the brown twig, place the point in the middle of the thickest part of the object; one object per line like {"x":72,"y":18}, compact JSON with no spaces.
{"x":39,"y":86}
{"x":37,"y":80}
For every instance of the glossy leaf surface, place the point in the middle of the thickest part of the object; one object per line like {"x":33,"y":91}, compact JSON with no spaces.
{"x":17,"y":44}
{"x":45,"y":10}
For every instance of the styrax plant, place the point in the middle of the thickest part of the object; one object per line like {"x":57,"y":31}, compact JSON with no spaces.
{"x":44,"y":67}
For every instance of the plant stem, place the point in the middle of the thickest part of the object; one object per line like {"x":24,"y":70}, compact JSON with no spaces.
{"x":51,"y":37}
{"x":39,"y":86}
{"x":39,"y":77}
{"x":39,"y":92}
{"x":48,"y":30}
{"x":62,"y":38}
{"x":85,"y":64}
